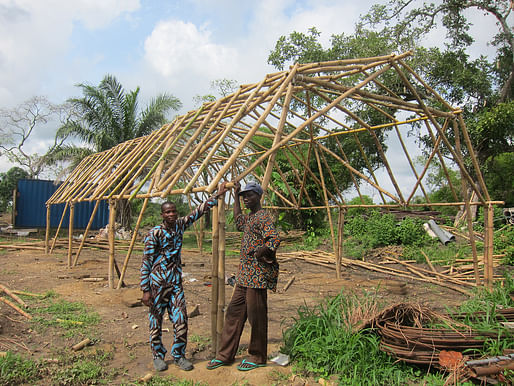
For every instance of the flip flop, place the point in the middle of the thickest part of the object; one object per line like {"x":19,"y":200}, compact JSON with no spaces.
{"x":249,"y":365}
{"x":215,"y":363}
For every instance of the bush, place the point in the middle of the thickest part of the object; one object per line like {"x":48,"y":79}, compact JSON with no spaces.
{"x":379,"y":230}
{"x":322,"y":342}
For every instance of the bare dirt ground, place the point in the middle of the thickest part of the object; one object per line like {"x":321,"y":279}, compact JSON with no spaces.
{"x":36,"y":272}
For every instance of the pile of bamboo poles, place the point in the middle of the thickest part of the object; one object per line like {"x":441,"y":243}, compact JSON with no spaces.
{"x":458,"y":276}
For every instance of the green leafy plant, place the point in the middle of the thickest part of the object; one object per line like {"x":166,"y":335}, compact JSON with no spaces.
{"x":15,"y":370}
{"x":323,"y":341}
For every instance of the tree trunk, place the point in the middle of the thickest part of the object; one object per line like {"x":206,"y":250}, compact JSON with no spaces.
{"x":124,"y":214}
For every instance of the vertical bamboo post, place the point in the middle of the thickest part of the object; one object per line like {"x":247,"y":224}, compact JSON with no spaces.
{"x":469,"y":220}
{"x":132,"y":242}
{"x":70,"y":233}
{"x":221,"y":269}
{"x":112,"y":219}
{"x":488,"y":245}
{"x":85,"y":233}
{"x":214,"y":281}
{"x":201,"y":225}
{"x":59,"y":227}
{"x":339,"y":251}
{"x":47,"y":233}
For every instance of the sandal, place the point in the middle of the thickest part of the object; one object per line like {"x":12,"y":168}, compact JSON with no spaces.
{"x":215,"y":363}
{"x":247,"y":365}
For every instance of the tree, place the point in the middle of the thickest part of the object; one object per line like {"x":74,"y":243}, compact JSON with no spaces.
{"x":405,"y":20}
{"x":107,"y":116}
{"x":19,"y":124}
{"x":8,"y":182}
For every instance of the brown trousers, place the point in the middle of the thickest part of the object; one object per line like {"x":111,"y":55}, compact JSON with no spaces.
{"x":251,"y":304}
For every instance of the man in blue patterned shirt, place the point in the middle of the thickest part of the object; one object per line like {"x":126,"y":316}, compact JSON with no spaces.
{"x":161,"y":280}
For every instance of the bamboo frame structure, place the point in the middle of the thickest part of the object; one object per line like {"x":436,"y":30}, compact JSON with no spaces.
{"x":305,"y":135}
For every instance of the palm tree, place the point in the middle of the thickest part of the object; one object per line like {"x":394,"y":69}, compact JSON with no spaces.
{"x":106,"y":115}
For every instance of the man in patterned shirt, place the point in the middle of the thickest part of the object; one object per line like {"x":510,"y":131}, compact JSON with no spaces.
{"x":161,"y":280}
{"x":258,"y":272}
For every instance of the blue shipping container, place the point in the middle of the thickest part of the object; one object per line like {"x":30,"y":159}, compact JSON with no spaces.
{"x":30,"y":208}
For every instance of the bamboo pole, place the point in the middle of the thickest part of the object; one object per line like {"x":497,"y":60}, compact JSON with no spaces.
{"x":165,"y":152}
{"x":456,"y":157}
{"x":199,"y":148}
{"x":488,"y":245}
{"x":13,"y":295}
{"x":186,"y":148}
{"x":47,"y":232}
{"x":112,"y":219}
{"x":14,"y":306}
{"x":278,"y":135}
{"x":301,"y":127}
{"x":221,"y":269}
{"x":325,"y":197}
{"x":59,"y":227}
{"x":220,"y":140}
{"x":85,"y":233}
{"x":469,"y":220}
{"x":339,"y":251}
{"x":70,"y":233}
{"x":214,"y":282}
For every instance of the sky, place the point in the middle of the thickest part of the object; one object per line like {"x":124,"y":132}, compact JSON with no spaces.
{"x":47,"y":47}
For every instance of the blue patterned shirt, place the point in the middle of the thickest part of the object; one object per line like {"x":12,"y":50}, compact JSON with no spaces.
{"x":162,"y":265}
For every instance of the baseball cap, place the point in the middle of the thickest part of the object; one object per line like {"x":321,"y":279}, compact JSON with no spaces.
{"x":252,"y":186}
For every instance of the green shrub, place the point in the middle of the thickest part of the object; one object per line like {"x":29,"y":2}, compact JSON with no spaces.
{"x":378,"y":230}
{"x":322,"y":342}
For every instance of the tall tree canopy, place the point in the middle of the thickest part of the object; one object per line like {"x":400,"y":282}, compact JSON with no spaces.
{"x":108,"y":115}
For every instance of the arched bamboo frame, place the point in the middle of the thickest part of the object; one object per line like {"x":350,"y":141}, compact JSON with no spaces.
{"x":240,"y":136}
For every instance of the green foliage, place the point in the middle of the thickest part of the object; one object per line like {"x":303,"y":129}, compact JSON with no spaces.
{"x":438,"y":256}
{"x":16,"y":370}
{"x":378,"y":230}
{"x":498,"y":172}
{"x":321,"y":342}
{"x":480,"y":313}
{"x":8,"y":182}
{"x":504,"y":243}
{"x":84,"y":370}
{"x":170,"y":381}
{"x":73,"y":317}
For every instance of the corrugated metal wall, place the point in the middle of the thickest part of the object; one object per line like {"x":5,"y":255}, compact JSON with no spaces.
{"x":30,"y":208}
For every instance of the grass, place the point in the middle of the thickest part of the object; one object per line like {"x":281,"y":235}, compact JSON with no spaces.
{"x":73,"y":317}
{"x":201,"y":341}
{"x":170,"y":381}
{"x":83,"y":369}
{"x":323,"y":341}
{"x":15,"y":370}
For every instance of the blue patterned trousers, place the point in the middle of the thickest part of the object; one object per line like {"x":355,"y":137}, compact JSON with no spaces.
{"x":169,"y":299}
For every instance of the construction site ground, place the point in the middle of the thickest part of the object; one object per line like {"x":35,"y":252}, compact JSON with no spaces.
{"x":123,"y":329}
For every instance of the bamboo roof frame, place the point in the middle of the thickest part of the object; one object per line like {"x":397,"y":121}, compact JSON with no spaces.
{"x":290,"y":113}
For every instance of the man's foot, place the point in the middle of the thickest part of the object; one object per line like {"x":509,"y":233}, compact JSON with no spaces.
{"x":184,"y":364}
{"x":159,"y":364}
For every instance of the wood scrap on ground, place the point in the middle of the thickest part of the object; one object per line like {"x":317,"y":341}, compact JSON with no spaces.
{"x":459,"y":277}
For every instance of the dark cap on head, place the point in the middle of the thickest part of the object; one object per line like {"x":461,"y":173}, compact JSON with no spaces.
{"x":252,"y":186}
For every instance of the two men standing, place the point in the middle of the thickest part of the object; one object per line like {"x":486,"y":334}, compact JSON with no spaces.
{"x":161,"y":281}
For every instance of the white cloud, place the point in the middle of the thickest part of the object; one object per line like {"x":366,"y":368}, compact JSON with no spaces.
{"x":176,"y":49}
{"x":36,"y":37}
